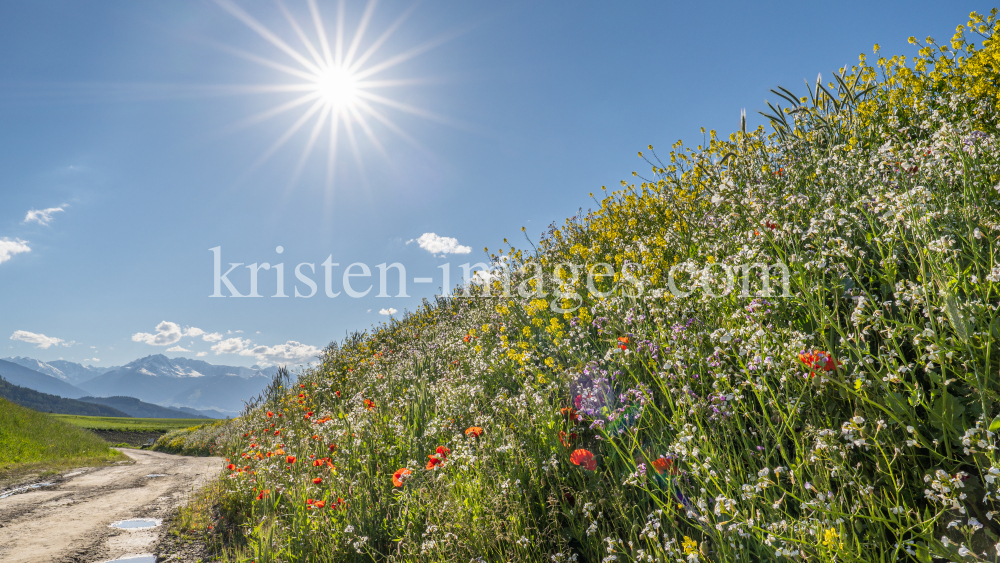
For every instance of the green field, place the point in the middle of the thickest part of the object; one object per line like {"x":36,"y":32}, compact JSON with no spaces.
{"x":32,"y":442}
{"x":129,"y":424}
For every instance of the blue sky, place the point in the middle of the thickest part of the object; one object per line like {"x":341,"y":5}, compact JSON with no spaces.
{"x":125,"y":117}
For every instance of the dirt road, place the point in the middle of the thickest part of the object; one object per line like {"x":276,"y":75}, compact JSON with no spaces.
{"x":69,"y":521}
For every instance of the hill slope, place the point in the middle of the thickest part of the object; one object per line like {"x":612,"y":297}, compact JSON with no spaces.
{"x":20,"y":375}
{"x":31,"y":440}
{"x":138,"y":409}
{"x":43,"y":402}
{"x":842,"y":405}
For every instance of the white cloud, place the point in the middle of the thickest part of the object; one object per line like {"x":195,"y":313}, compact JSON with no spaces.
{"x":201,"y":354}
{"x":231,"y":346}
{"x":42,"y":216}
{"x":168,"y":333}
{"x":39,"y":339}
{"x":291,"y":351}
{"x":389,"y":311}
{"x":440,"y":245}
{"x":9,"y":248}
{"x":177,"y":349}
{"x":93,"y":360}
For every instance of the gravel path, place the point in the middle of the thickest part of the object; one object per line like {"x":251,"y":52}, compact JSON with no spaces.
{"x":69,"y":520}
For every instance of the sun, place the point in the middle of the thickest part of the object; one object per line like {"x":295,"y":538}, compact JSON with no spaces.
{"x":337,"y":87}
{"x":333,"y":82}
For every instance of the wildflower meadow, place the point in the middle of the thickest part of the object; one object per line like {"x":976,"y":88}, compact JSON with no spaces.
{"x":533,"y":418}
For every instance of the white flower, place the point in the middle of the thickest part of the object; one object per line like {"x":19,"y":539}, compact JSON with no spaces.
{"x":976,"y":525}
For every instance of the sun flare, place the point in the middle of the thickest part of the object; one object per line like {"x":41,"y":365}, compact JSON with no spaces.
{"x":331,"y":81}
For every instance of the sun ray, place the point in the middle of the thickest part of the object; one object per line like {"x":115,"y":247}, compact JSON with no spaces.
{"x":266,"y":62}
{"x":382,"y":39}
{"x":418,"y":50}
{"x":331,"y":161}
{"x":359,"y":33}
{"x":266,"y":33}
{"x":349,"y":129}
{"x":321,"y":32}
{"x":313,"y":136}
{"x":389,"y":124}
{"x":317,"y":58}
{"x":288,"y":133}
{"x":408,"y":108}
{"x":339,"y":57}
{"x":267,"y":114}
{"x":368,"y":131}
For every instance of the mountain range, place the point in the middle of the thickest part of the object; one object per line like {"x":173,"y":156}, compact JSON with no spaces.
{"x":177,"y":383}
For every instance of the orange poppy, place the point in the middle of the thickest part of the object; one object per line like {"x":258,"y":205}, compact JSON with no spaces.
{"x":369,"y":405}
{"x":400,"y":476}
{"x":584,"y":459}
{"x":664,"y":464}
{"x":474,"y":431}
{"x":230,"y":467}
{"x":570,"y":412}
{"x":290,"y":459}
{"x":567,"y":440}
{"x":623,"y":342}
{"x":319,"y":504}
{"x":317,"y":480}
{"x":269,"y":414}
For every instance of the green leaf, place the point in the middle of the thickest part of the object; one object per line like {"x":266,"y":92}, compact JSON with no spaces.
{"x":995,"y":425}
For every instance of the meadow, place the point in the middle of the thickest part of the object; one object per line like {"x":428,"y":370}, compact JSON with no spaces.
{"x":33,"y":442}
{"x":853,"y":419}
{"x":128,"y":424}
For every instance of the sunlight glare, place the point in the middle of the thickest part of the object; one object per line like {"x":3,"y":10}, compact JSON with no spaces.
{"x":337,"y":87}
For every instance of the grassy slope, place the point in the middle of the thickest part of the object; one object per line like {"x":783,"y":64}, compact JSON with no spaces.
{"x":31,"y":442}
{"x":852,"y":420}
{"x":129,"y":424}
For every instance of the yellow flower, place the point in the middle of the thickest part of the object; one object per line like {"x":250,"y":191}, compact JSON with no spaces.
{"x":689,"y":545}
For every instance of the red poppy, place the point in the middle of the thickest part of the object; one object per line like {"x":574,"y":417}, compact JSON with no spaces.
{"x":664,"y":464}
{"x":623,"y":342}
{"x":290,"y":459}
{"x":571,"y":413}
{"x":400,"y":476}
{"x":317,"y":480}
{"x":301,"y":396}
{"x":578,"y":402}
{"x":333,"y":447}
{"x":567,"y":440}
{"x":474,"y":431}
{"x":584,"y":459}
{"x":437,"y":458}
{"x":269,"y":414}
{"x":230,"y":467}
{"x":818,"y":359}
{"x":308,"y":414}
{"x":319,"y":504}
{"x":369,"y":404}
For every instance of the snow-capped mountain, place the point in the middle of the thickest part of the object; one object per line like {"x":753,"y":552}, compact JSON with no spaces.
{"x":60,"y":369}
{"x":182,"y":382}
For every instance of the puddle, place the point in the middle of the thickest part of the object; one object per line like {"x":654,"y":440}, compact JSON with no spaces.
{"x":136,"y":559}
{"x":136,"y":524}
{"x":157,"y":475}
{"x":25,"y":488}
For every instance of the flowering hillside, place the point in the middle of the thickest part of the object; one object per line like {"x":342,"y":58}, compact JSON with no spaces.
{"x":845,"y":410}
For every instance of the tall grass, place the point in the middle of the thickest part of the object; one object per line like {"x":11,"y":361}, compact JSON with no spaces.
{"x":852,"y":419}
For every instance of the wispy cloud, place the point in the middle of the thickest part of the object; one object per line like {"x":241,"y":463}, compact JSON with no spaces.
{"x":178,"y":349}
{"x":389,"y":311}
{"x":9,"y":248}
{"x":440,"y":245}
{"x":42,"y":216}
{"x":39,"y":340}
